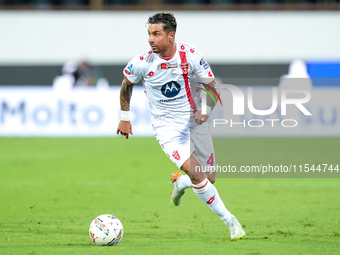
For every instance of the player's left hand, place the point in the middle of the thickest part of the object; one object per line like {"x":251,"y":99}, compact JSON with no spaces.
{"x":199,"y":117}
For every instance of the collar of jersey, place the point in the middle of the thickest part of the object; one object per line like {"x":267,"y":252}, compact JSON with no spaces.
{"x":167,"y":59}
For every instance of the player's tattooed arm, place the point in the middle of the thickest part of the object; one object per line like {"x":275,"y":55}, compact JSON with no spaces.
{"x":125,"y":94}
{"x":198,"y":115}
{"x":210,"y":101}
{"x":124,"y":126}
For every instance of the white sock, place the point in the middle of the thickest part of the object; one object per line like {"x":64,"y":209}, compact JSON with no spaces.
{"x":209,"y":195}
{"x":184,"y":182}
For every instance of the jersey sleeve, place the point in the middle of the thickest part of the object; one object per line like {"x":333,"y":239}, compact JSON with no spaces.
{"x":132,"y":71}
{"x":201,"y":68}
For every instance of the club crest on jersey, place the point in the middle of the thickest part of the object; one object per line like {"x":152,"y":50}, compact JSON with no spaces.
{"x":166,"y":66}
{"x":185,"y":67}
{"x":170,"y":89}
{"x":176,"y":155}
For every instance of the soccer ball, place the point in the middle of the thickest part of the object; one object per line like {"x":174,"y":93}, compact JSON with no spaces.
{"x":106,"y":229}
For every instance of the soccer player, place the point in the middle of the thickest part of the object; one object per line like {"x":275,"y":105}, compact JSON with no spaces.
{"x":178,"y":123}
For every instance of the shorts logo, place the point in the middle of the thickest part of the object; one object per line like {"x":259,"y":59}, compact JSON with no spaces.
{"x":182,"y":47}
{"x":211,"y":200}
{"x":127,"y":72}
{"x":192,"y":51}
{"x":166,"y":66}
{"x":171,"y":89}
{"x":210,"y":74}
{"x":141,"y":57}
{"x":175,"y":154}
{"x":151,"y":74}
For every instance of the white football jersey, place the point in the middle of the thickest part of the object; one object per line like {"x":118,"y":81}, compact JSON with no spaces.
{"x":166,"y":83}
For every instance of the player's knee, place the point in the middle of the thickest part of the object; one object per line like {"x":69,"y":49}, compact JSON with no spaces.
{"x":212,"y":179}
{"x":186,"y":166}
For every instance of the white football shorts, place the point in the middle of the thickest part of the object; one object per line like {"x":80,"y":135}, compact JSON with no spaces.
{"x":179,"y":144}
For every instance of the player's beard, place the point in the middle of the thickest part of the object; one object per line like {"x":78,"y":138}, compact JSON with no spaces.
{"x":156,"y":50}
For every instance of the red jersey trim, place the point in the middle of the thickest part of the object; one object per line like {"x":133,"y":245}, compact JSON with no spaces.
{"x":186,"y":80}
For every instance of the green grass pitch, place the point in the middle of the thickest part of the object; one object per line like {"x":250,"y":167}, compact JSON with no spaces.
{"x":52,"y":188}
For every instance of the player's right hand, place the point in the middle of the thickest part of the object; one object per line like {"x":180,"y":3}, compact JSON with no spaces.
{"x":125,"y":128}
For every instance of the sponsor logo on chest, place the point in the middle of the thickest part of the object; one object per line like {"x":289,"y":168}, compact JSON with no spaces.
{"x":167,"y":66}
{"x":171,"y":89}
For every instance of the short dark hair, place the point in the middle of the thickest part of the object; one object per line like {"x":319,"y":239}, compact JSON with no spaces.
{"x":168,"y":20}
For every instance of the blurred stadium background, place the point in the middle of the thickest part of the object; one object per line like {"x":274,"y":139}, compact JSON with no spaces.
{"x":239,"y":38}
{"x":93,"y":41}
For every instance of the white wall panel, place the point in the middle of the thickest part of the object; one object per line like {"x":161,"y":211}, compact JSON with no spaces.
{"x":41,"y":37}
